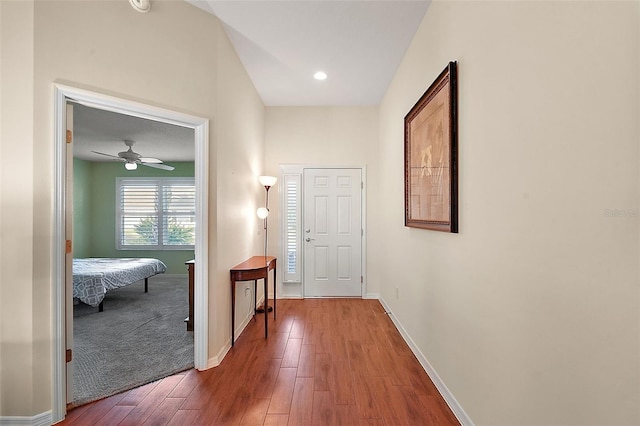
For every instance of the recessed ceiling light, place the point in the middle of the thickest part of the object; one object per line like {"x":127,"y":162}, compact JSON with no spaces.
{"x":142,"y":6}
{"x":320,"y":75}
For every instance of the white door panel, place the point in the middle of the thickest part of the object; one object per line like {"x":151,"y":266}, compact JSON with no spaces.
{"x":344,"y":269}
{"x":321,"y":263}
{"x":333,"y":232}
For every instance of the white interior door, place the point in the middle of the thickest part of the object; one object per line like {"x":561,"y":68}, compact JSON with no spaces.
{"x":332,"y":232}
{"x":68,"y":226}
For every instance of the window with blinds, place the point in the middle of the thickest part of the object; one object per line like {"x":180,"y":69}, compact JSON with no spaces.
{"x":292,"y":226}
{"x":155,"y":213}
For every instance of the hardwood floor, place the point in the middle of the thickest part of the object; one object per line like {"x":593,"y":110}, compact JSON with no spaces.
{"x":325,"y":362}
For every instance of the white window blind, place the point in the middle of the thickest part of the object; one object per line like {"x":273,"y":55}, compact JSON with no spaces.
{"x":155,"y":213}
{"x":292,"y":227}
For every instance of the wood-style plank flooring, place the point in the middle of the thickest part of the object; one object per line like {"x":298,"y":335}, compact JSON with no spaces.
{"x":325,"y":362}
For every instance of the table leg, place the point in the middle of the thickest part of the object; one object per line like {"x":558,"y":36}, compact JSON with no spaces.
{"x":275,"y":284}
{"x":233,"y":311}
{"x":255,"y":298}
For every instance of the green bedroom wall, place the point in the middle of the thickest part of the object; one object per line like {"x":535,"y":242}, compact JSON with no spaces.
{"x":81,"y":208}
{"x":102,"y":239}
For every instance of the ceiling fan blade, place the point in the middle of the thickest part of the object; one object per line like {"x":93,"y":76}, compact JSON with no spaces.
{"x":150,"y":160}
{"x":107,"y":155}
{"x":159,"y":166}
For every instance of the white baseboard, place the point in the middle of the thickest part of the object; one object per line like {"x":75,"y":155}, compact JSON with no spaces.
{"x":217,"y":359}
{"x":42,"y":419}
{"x":457,"y":409}
{"x":375,"y":296}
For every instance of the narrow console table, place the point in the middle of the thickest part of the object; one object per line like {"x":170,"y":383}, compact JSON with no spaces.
{"x":253,"y":269}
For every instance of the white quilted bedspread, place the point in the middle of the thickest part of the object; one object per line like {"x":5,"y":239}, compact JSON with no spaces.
{"x":93,"y":277}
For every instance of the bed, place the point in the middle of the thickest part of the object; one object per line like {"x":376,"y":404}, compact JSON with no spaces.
{"x":93,"y":277}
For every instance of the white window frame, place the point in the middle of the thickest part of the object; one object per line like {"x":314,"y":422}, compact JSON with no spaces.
{"x":160,"y":183}
{"x":292,"y":226}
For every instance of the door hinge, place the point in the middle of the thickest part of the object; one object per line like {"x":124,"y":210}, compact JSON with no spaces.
{"x":67,"y":246}
{"x":361,"y":279}
{"x":362,"y":232}
{"x":69,"y":136}
{"x":361,"y":185}
{"x":69,"y":355}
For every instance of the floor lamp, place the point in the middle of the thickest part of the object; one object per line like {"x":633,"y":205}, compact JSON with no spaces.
{"x":263,"y":213}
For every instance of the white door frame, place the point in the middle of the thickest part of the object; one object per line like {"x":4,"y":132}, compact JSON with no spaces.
{"x":298,"y":169}
{"x":62,"y":94}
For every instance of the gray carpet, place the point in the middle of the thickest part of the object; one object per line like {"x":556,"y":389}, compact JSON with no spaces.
{"x":139,"y":338}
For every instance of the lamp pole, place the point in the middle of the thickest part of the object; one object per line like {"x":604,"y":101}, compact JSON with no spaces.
{"x":267,"y":182}
{"x":266,"y":226}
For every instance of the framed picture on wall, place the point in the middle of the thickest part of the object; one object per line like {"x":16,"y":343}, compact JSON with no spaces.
{"x":430,"y":157}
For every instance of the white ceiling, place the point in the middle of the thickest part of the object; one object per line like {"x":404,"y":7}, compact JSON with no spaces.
{"x":359,"y":44}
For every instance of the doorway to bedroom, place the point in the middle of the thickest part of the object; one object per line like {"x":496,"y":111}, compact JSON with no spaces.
{"x":133,"y":192}
{"x":141,"y":333}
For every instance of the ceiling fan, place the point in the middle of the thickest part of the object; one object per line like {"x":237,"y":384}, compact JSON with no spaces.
{"x":131,"y":159}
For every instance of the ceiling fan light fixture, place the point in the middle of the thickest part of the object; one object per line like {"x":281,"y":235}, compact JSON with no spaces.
{"x":131,"y":159}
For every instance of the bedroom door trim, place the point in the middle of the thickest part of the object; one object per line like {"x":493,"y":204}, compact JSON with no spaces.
{"x":63,"y":94}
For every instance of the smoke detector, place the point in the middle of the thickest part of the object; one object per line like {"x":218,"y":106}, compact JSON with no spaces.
{"x":142,"y":6}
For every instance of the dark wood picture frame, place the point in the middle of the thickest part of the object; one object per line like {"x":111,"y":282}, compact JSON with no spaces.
{"x":431,"y":157}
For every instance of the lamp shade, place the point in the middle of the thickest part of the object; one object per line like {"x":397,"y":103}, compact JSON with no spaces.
{"x":267,"y":180}
{"x":263,"y":212}
{"x":130,"y":166}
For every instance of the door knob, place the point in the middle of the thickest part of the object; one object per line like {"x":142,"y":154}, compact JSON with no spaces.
{"x":307,"y":230}
{"x":309,"y":239}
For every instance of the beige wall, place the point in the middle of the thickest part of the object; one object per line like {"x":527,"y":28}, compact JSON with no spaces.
{"x":176,"y":57}
{"x":18,"y":332}
{"x":530,"y":314}
{"x":239,"y":125}
{"x":317,"y":136}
